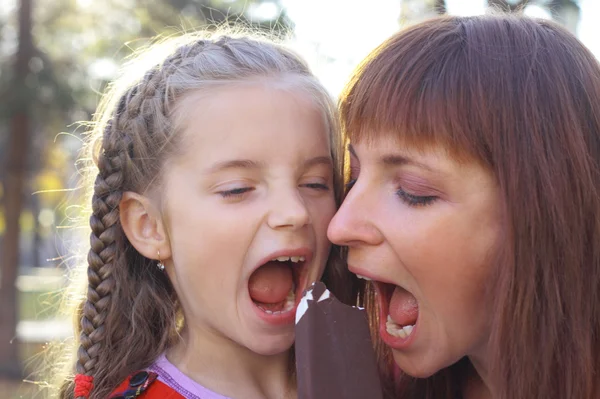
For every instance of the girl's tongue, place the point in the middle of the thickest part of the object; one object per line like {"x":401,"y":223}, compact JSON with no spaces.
{"x":270,"y":284}
{"x":403,"y":308}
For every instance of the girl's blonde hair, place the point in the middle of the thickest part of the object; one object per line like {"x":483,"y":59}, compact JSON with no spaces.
{"x":131,"y":313}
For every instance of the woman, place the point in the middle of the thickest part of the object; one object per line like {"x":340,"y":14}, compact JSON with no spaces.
{"x":475,"y":207}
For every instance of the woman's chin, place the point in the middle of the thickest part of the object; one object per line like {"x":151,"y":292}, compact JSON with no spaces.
{"x":414,"y":368}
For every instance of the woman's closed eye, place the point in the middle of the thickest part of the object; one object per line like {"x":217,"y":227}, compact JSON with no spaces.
{"x":407,"y":197}
{"x":350,"y":184}
{"x":415,"y":200}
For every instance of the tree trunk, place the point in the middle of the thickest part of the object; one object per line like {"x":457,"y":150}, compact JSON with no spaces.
{"x":16,"y":173}
{"x":505,"y":6}
{"x":440,"y":7}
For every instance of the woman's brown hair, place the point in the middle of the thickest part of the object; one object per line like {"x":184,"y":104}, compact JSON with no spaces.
{"x":522,"y":97}
{"x":131,"y":314}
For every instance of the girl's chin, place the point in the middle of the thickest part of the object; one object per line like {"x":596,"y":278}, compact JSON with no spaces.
{"x":272,"y":346}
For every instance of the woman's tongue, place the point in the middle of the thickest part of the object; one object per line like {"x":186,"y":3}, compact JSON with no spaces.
{"x":403,"y":308}
{"x":270,"y":285}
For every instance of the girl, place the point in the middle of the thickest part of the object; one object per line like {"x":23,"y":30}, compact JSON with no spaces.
{"x":475,"y":207}
{"x":217,"y":171}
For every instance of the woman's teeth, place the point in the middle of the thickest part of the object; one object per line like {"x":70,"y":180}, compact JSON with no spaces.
{"x":397,"y":331}
{"x":363,"y":277}
{"x":294,"y":259}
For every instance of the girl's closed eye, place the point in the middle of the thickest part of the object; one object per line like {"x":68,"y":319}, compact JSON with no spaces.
{"x":236,"y":192}
{"x":321,"y":186}
{"x":316,"y":183}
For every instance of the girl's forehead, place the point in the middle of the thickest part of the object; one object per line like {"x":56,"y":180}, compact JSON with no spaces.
{"x":250,"y":121}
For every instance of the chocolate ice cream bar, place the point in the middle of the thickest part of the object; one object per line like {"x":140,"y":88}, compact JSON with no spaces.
{"x":334,"y":353}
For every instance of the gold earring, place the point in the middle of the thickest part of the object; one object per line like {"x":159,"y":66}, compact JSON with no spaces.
{"x":160,"y":265}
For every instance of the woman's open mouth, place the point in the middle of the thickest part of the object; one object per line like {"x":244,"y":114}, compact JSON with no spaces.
{"x":398,"y":313}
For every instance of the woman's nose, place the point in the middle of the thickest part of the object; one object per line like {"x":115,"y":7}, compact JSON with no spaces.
{"x":355,"y":222}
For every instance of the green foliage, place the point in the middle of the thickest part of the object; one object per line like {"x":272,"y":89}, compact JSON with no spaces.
{"x":79,"y":45}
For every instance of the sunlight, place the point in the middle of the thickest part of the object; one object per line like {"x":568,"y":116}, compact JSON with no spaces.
{"x":588,"y":28}
{"x":7,"y":6}
{"x":103,"y":69}
{"x":265,"y":11}
{"x":335,"y":35}
{"x":84,"y":3}
{"x":536,"y":11}
{"x":466,"y":8}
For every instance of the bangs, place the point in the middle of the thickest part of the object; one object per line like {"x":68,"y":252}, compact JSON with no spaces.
{"x":417,"y":86}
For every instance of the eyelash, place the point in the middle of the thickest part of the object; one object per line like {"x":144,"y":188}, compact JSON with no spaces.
{"x":317,"y":186}
{"x":409,"y":199}
{"x":350,"y":184}
{"x":238,"y":192}
{"x":415,"y":200}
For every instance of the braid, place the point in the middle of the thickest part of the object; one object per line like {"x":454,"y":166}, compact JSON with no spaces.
{"x":104,"y":240}
{"x":131,"y":313}
{"x":136,"y":115}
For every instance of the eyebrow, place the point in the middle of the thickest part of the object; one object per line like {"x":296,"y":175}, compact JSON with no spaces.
{"x":320,"y":160}
{"x":250,"y":164}
{"x":396,"y":160}
{"x":235,"y":164}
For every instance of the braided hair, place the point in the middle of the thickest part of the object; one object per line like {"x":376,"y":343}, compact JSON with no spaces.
{"x":131,"y":314}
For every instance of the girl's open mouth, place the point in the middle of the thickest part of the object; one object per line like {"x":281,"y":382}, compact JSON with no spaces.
{"x":275,"y":287}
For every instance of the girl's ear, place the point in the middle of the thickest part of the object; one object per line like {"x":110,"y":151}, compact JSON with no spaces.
{"x":143,"y":226}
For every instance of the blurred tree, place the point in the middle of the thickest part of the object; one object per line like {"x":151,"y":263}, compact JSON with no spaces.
{"x":508,"y":5}
{"x":412,"y":11}
{"x":18,"y":144}
{"x":50,"y":86}
{"x":564,"y":11}
{"x":440,"y":6}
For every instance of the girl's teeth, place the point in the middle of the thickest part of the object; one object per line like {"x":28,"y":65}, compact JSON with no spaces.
{"x":294,"y":259}
{"x":363,"y":277}
{"x":290,"y":302}
{"x":395,"y":330}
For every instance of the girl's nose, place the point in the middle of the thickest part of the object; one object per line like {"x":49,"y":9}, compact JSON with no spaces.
{"x":288,"y":210}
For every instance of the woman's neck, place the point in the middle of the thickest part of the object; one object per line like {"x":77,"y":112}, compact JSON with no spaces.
{"x":476,"y":384}
{"x":475,"y":388}
{"x":227,"y":368}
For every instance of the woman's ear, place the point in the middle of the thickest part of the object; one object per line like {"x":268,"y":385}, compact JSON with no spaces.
{"x":143,"y":226}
